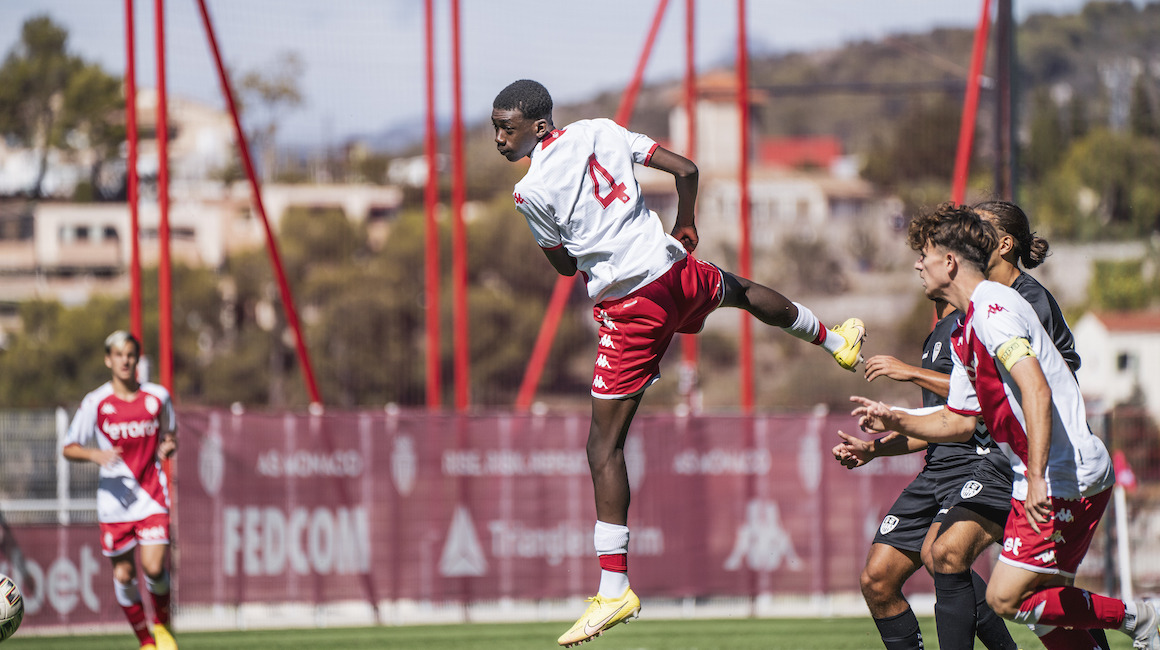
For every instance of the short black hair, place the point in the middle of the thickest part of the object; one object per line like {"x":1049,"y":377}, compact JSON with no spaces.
{"x":526,"y":96}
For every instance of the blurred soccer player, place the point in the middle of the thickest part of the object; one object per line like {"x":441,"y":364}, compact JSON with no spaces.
{"x":582,"y":201}
{"x":1008,"y":371}
{"x":135,"y":428}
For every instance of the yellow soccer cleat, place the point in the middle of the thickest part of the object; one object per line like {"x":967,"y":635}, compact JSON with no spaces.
{"x":164,"y":637}
{"x":602,"y":614}
{"x":148,"y":646}
{"x":853,"y":332}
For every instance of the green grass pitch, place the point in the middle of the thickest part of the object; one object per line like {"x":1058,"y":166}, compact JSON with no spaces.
{"x":739,"y":634}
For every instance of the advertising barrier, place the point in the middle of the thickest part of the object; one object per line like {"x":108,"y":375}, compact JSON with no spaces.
{"x":380,"y":506}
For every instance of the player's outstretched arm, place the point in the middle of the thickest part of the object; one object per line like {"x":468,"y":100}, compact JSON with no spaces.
{"x":939,"y":425}
{"x":686,"y":175}
{"x":884,"y":365}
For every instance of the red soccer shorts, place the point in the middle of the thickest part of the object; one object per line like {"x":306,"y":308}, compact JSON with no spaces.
{"x":636,"y":330}
{"x":120,"y":537}
{"x":1064,"y":540}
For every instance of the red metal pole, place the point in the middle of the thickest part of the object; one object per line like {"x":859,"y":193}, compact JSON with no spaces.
{"x":559,"y":300}
{"x":628,"y":100}
{"x":459,"y":236}
{"x":743,"y":175}
{"x":689,"y":342}
{"x":164,"y":271}
{"x":431,"y":199}
{"x":256,"y":191}
{"x":970,"y":107}
{"x":135,"y":318}
{"x":543,"y":343}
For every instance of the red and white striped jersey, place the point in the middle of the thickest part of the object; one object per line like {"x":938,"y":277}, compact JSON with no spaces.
{"x":581,"y":193}
{"x":135,"y":487}
{"x":1078,"y":462}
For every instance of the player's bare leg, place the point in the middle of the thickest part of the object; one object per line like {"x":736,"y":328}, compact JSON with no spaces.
{"x":770,"y":307}
{"x":887,"y":569}
{"x":615,"y":602}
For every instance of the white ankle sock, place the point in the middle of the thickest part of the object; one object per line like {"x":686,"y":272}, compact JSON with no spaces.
{"x":613,"y":584}
{"x":807,"y":327}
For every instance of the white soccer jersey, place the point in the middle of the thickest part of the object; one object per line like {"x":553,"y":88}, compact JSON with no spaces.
{"x":135,"y":487}
{"x":1078,"y":462}
{"x":581,"y":193}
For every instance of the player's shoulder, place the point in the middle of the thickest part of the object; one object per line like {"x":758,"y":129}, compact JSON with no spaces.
{"x":99,"y":393}
{"x":156,"y":390}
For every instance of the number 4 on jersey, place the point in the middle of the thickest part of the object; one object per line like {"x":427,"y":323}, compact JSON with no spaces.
{"x":615,"y":190}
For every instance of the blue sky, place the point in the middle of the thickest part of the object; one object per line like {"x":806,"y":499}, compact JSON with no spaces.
{"x":364,"y":58}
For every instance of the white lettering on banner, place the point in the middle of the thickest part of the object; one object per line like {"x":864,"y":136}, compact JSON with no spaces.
{"x":723,"y":461}
{"x":512,"y":539}
{"x":321,"y":541}
{"x":509,"y":462}
{"x":304,"y":464}
{"x":64,"y":586}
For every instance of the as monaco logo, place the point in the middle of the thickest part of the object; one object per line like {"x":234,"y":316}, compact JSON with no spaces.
{"x":403,"y":465}
{"x":152,"y":405}
{"x":970,"y":489}
{"x":888,"y":524}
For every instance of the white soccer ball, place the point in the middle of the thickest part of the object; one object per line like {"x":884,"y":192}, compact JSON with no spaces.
{"x":11,"y":607}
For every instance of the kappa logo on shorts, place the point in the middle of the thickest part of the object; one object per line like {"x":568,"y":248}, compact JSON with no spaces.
{"x":1057,"y":537}
{"x":1065,"y":515}
{"x":599,"y":382}
{"x":1046,"y":557}
{"x":152,"y":533}
{"x":108,"y":541}
{"x":970,"y":489}
{"x":888,"y":524}
{"x":602,"y":362}
{"x":606,"y":342}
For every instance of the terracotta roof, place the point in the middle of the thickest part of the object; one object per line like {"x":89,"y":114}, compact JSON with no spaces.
{"x":1130,"y":321}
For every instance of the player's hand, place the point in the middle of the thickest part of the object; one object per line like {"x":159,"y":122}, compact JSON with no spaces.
{"x":884,"y":365}
{"x":873,"y":417}
{"x":852,"y":452}
{"x":167,"y":446}
{"x":107,"y":457}
{"x":1037,"y":505}
{"x":687,"y":235}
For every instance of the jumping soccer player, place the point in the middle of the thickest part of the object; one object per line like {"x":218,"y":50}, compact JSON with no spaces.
{"x":582,"y":201}
{"x":1008,"y":371}
{"x":135,"y":428}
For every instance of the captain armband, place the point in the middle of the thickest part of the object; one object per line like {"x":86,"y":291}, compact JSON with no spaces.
{"x":1013,"y":351}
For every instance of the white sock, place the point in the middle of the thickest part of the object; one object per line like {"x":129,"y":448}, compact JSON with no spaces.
{"x":611,"y":539}
{"x":613,"y":584}
{"x":1130,"y":614}
{"x":807,"y":327}
{"x":160,"y":586}
{"x":127,"y":594}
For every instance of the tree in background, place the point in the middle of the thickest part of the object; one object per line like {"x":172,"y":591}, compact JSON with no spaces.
{"x":50,"y":99}
{"x":264,"y":97}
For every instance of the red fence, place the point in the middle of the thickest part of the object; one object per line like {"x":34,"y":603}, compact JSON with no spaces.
{"x":379,"y":507}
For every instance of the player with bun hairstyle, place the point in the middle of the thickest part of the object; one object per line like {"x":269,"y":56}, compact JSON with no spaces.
{"x":1008,"y":372}
{"x":1018,"y":244}
{"x":581,"y":199}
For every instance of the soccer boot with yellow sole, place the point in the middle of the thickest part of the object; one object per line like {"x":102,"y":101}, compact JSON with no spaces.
{"x":853,"y":332}
{"x":164,"y":637}
{"x":602,"y":614}
{"x":148,"y":646}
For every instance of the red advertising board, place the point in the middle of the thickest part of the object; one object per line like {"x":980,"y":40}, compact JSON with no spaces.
{"x":379,"y":506}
